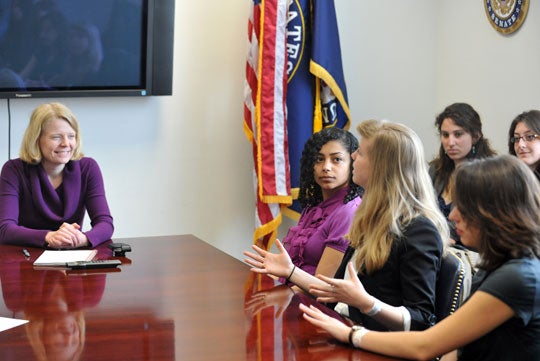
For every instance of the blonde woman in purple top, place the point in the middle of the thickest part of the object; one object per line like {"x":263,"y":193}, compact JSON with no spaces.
{"x":45,"y":193}
{"x":329,"y":199}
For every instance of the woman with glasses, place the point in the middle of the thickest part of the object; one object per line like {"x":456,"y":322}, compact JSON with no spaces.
{"x":497,"y":211}
{"x":388,"y":276}
{"x":524,"y":139}
{"x":460,"y":130}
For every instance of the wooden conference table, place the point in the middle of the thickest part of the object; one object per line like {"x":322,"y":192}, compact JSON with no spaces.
{"x":173,"y":298}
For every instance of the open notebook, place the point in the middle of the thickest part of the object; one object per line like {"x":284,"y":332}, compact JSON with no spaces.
{"x":60,"y":258}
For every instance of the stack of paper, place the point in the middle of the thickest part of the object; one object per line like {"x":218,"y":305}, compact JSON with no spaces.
{"x":60,"y":258}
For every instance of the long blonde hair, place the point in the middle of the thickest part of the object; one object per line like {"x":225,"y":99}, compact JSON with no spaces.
{"x":399,"y":190}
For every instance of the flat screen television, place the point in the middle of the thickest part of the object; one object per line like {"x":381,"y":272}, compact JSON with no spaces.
{"x":61,"y":48}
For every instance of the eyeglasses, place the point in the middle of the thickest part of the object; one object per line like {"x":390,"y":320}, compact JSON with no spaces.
{"x":527,"y":137}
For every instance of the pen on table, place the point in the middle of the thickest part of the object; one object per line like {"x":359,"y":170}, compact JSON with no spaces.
{"x":26,"y":253}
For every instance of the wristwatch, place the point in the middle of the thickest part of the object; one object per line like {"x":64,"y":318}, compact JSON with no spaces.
{"x":353,"y":330}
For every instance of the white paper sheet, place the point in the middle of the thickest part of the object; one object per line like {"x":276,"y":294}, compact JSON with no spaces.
{"x":7,"y":323}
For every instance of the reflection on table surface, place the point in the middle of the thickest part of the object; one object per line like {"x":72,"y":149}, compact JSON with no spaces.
{"x":173,"y":298}
{"x":277,"y":330}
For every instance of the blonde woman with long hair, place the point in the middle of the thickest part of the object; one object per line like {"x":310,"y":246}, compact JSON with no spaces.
{"x":388,"y":275}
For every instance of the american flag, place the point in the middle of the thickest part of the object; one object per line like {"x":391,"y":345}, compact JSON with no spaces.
{"x":265,"y":114}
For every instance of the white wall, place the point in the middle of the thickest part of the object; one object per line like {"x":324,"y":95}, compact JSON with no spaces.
{"x":389,"y":60}
{"x":181,"y":164}
{"x":497,"y":74}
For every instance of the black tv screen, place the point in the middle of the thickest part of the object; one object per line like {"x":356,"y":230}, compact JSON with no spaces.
{"x":55,"y":48}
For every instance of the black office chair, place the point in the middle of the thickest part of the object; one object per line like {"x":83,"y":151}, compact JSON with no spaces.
{"x":450,"y":290}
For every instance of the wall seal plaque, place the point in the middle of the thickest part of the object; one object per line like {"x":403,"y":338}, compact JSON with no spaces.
{"x":506,"y":16}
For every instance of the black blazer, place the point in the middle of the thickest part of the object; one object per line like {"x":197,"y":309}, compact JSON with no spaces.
{"x":408,"y":277}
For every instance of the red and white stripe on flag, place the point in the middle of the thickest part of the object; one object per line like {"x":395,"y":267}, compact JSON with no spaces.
{"x":265,"y":114}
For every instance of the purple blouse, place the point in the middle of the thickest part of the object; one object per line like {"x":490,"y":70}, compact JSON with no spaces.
{"x":30,"y":206}
{"x":321,"y":226}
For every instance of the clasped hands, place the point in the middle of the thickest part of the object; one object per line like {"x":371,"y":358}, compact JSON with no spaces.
{"x":67,"y":236}
{"x":329,"y":290}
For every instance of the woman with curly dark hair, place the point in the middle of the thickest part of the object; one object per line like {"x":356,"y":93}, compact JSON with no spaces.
{"x":524,"y":139}
{"x":387,"y":277}
{"x":329,"y":199}
{"x":460,"y":129}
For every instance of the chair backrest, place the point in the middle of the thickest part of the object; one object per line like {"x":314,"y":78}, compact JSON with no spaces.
{"x":450,"y":290}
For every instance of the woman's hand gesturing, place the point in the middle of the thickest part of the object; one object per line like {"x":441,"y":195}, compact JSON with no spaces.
{"x":350,"y":291}
{"x":276,"y":264}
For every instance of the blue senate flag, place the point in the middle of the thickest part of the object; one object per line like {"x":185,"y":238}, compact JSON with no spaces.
{"x":316,"y":91}
{"x":294,"y":87}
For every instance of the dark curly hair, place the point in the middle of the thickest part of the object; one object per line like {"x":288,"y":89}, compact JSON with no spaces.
{"x":466,"y":117}
{"x":310,"y":192}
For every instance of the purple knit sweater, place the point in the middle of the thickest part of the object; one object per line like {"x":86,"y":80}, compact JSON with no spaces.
{"x":30,"y":206}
